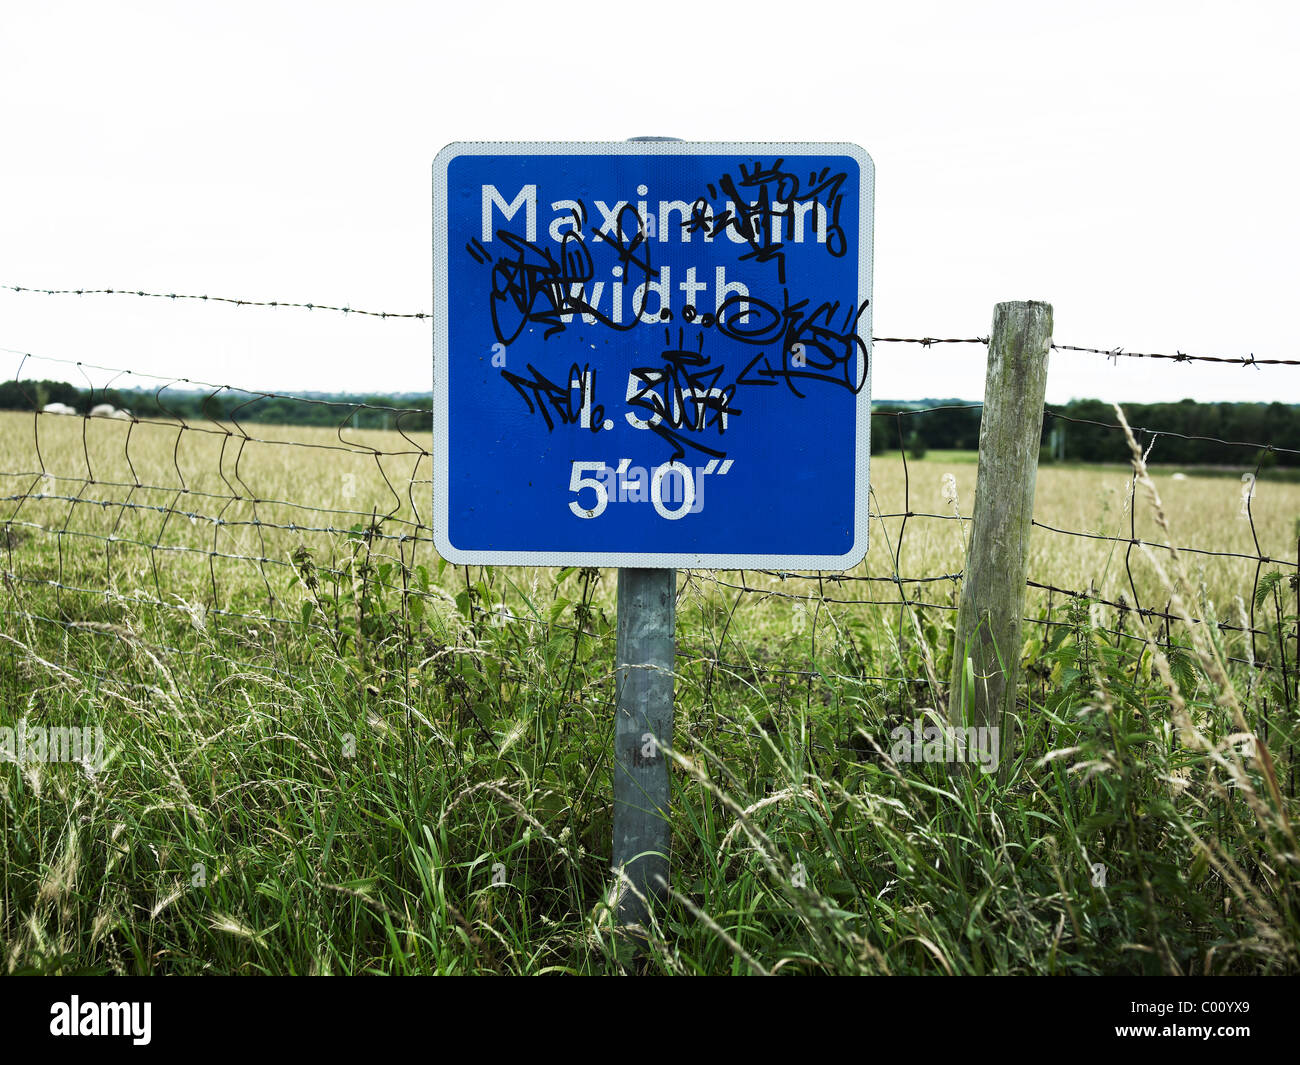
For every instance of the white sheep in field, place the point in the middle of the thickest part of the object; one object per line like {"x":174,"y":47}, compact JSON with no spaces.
{"x":107,"y":410}
{"x":57,"y":408}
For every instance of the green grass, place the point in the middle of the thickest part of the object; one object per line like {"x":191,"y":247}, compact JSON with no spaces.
{"x":335,"y":793}
{"x":963,"y":458}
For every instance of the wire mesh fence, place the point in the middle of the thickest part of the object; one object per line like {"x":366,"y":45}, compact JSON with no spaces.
{"x":212,"y":505}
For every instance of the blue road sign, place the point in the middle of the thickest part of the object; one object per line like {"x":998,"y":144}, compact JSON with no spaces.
{"x":652,"y":354}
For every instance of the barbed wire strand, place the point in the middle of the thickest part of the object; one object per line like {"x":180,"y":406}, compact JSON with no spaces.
{"x":1110,"y":353}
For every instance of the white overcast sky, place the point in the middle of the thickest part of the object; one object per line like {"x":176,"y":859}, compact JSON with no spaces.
{"x":1134,"y":164}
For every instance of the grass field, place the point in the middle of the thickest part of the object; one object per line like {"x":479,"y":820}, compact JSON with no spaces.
{"x":327,"y":752}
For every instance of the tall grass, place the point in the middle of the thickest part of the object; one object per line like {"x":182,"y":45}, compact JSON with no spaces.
{"x":413,"y":773}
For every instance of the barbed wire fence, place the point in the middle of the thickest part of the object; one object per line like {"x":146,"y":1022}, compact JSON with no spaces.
{"x":194,"y":517}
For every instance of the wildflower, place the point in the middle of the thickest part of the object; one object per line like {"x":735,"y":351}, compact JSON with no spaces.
{"x":949,"y":489}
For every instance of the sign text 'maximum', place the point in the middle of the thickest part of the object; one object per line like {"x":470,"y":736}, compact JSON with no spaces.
{"x":694,"y":216}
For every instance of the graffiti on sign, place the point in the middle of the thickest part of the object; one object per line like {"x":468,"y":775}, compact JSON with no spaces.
{"x":652,"y":354}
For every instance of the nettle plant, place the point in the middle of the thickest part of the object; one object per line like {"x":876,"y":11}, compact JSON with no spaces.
{"x":355,"y":602}
{"x":480,"y":645}
{"x":1275,"y":593}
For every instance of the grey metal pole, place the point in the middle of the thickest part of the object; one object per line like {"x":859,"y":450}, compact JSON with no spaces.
{"x":643,"y":725}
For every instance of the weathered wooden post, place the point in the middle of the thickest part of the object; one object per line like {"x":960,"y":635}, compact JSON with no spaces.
{"x":986,"y":652}
{"x":643,"y":725}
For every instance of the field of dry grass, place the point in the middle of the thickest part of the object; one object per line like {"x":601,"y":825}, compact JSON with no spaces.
{"x":209,"y":494}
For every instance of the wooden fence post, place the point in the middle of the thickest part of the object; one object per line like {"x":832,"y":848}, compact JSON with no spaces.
{"x":986,"y":651}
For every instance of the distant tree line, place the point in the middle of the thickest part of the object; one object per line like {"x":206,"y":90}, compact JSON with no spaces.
{"x":1085,"y":430}
{"x":329,"y":409}
{"x":1080,"y":431}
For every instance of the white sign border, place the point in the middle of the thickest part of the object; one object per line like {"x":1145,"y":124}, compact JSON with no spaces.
{"x":643,"y":559}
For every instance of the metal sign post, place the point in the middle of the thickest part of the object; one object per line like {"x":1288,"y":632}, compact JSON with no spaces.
{"x":645,"y":657}
{"x":651,"y":355}
{"x":643,"y":725}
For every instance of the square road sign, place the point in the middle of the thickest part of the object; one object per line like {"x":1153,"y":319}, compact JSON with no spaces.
{"x":652,"y":354}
